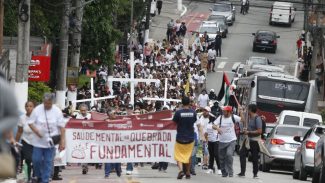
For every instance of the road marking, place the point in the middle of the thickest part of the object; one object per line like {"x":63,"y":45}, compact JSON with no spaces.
{"x":222,"y":58}
{"x":221,"y":65}
{"x":236,"y":64}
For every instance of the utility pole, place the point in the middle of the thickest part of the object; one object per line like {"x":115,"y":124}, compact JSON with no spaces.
{"x":131,"y":27}
{"x":306,"y":8}
{"x":23,"y":54}
{"x":63,"y":55}
{"x":1,"y":24}
{"x":76,"y":42}
{"x":179,"y":5}
{"x":146,"y":32}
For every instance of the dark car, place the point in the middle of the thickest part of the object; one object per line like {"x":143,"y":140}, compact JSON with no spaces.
{"x":222,"y":21}
{"x":265,"y":40}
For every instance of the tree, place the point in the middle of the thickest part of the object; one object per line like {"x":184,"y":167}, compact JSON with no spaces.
{"x":36,"y":91}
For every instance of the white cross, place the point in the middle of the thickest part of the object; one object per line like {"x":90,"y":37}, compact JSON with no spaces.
{"x":131,"y":80}
{"x":92,"y":98}
{"x":165,"y":99}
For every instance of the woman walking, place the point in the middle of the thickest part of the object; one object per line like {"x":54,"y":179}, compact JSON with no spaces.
{"x":25,"y":133}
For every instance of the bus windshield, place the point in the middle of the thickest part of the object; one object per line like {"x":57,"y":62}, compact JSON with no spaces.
{"x":295,"y":92}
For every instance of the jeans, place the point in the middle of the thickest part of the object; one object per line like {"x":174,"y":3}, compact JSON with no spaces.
{"x":117,"y":167}
{"x":129,"y":167}
{"x":226,"y":152}
{"x":43,"y":163}
{"x":214,"y":154}
{"x":254,"y":149}
{"x":163,"y":165}
{"x":194,"y":158}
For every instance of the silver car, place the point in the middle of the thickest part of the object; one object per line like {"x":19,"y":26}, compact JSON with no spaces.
{"x":304,"y":156}
{"x":226,"y":9}
{"x":319,"y":161}
{"x":258,"y":61}
{"x":281,"y":146}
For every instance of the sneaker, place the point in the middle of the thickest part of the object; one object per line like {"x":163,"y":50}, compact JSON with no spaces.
{"x":193,"y":173}
{"x":128,"y":172}
{"x":210,"y":171}
{"x":256,"y":177}
{"x":224,"y":175}
{"x":241,"y":175}
{"x":188,"y":176}
{"x":205,"y":167}
{"x":199,"y":164}
{"x":56,"y":178}
{"x":219,"y":172}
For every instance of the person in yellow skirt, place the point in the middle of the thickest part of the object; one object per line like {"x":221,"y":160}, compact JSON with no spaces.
{"x":185,"y":119}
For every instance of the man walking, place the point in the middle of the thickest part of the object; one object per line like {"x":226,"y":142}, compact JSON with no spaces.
{"x":159,"y":6}
{"x":212,"y":54}
{"x":170,"y":29}
{"x":253,"y":131}
{"x":184,"y":119}
{"x":218,"y":43}
{"x":225,"y":125}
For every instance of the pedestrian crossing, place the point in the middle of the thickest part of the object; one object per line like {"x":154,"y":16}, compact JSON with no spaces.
{"x":229,"y":66}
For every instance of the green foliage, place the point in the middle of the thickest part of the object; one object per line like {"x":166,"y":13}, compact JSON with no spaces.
{"x":36,"y":91}
{"x":83,"y":79}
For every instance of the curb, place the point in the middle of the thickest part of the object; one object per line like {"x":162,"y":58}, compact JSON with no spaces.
{"x":184,"y":10}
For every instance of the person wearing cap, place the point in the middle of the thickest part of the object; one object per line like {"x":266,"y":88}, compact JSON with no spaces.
{"x":212,"y":95}
{"x":225,"y":125}
{"x":185,"y":137}
{"x":203,"y":122}
{"x":203,"y":99}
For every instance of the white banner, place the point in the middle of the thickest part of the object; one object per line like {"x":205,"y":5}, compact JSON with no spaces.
{"x":149,"y":141}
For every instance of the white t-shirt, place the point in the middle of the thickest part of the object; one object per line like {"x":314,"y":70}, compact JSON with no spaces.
{"x":227,"y":127}
{"x":201,"y":79}
{"x":28,"y":134}
{"x":212,"y":133}
{"x":203,"y":100}
{"x":55,"y":120}
{"x":80,"y":116}
{"x":212,"y":54}
{"x":204,"y":123}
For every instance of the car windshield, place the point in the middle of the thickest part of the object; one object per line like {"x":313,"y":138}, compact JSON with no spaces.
{"x":291,"y":120}
{"x":291,"y":131}
{"x":222,"y":7}
{"x":260,"y":61}
{"x":309,"y":122}
{"x":216,"y":18}
{"x":265,"y":35}
{"x":208,"y":29}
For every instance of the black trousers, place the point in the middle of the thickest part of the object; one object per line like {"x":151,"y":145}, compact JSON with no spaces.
{"x":254,"y":150}
{"x":26,"y":154}
{"x":163,"y":165}
{"x":218,"y":50}
{"x":213,"y":148}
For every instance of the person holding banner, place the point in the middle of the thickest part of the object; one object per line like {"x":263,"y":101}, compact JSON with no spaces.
{"x":83,"y":108}
{"x":185,"y":119}
{"x":108,"y":166}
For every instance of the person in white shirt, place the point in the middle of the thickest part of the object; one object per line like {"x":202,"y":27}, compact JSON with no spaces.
{"x":225,"y":125}
{"x":213,"y":145}
{"x":83,"y":114}
{"x":203,"y":99}
{"x":25,"y":133}
{"x":46,"y":121}
{"x":212,"y":55}
{"x":204,"y":121}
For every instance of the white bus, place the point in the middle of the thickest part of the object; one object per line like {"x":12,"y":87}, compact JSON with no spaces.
{"x":275,"y":92}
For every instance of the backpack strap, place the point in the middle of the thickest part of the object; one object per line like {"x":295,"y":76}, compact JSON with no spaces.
{"x":233,"y":118}
{"x":220,"y":121}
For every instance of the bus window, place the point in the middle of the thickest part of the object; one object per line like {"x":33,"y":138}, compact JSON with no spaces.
{"x":309,"y":122}
{"x":291,"y":120}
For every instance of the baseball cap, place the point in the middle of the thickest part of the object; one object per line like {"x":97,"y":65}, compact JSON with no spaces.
{"x":207,"y":108}
{"x":212,"y":90}
{"x":227,"y":108}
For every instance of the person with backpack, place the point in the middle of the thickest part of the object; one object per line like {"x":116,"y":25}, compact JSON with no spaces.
{"x":227,"y":125}
{"x":253,"y":133}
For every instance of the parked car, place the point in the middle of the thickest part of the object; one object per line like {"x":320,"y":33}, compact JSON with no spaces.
{"x":258,"y":61}
{"x":265,"y":40}
{"x":297,"y":118}
{"x":281,"y":146}
{"x":226,"y":9}
{"x":304,"y":156}
{"x":222,"y":21}
{"x":211,"y":28}
{"x":283,"y":13}
{"x":319,"y":161}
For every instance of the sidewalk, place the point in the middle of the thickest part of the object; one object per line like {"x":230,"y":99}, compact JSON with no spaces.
{"x":159,"y":22}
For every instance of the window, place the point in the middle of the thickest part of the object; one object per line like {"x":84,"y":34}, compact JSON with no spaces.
{"x":309,"y":122}
{"x":291,"y":131}
{"x":291,"y":120}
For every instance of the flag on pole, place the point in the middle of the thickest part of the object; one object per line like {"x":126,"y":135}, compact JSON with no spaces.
{"x":224,"y":90}
{"x":187,"y":86}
